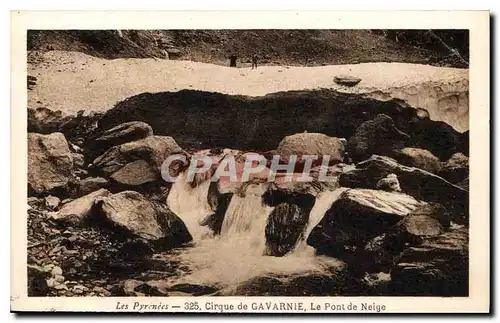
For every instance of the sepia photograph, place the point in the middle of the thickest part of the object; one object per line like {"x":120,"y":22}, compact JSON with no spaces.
{"x":204,"y":163}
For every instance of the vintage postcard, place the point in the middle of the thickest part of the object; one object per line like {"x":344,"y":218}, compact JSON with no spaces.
{"x":250,"y":162}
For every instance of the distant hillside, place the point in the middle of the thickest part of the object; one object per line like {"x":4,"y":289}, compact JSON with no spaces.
{"x":274,"y":47}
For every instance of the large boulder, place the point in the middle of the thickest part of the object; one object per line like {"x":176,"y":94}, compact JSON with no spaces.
{"x":379,"y":253}
{"x":311,"y":144}
{"x":132,"y":214}
{"x":358,"y":216}
{"x":150,"y":151}
{"x":123,"y":133}
{"x":436,"y":267}
{"x":438,"y":137}
{"x":456,"y":169}
{"x":419,"y":158}
{"x":413,"y":181}
{"x":77,"y":212}
{"x":50,"y":163}
{"x":377,"y":136}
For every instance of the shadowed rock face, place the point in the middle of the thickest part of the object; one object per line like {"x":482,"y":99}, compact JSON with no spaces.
{"x":438,"y":266}
{"x":198,"y":119}
{"x":377,"y":136}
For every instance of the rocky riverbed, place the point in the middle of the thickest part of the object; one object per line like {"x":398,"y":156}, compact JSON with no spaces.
{"x":103,"y":222}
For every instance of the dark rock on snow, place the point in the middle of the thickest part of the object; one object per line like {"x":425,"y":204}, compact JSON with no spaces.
{"x":347,"y":80}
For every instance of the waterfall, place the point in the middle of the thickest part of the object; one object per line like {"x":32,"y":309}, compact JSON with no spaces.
{"x":237,"y":255}
{"x":190,"y":204}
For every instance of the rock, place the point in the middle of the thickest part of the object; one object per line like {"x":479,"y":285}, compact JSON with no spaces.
{"x":285,"y":227}
{"x":377,"y":136}
{"x":152,"y":149}
{"x":91,"y":184}
{"x":456,"y":169}
{"x":346,"y":80}
{"x":136,"y":173}
{"x":78,"y":160}
{"x":420,"y":225}
{"x":156,"y":288}
{"x":56,"y":271}
{"x":59,"y":279}
{"x":311,"y":144}
{"x":390,"y":183}
{"x":464,"y":184}
{"x":123,"y":133}
{"x":52,"y":202}
{"x":437,"y":267}
{"x":464,"y":143}
{"x":438,"y":137}
{"x":134,"y":214}
{"x":45,"y":121}
{"x":193,"y":289}
{"x":358,"y":216}
{"x":419,"y":158}
{"x":128,"y":287}
{"x":75,"y":149}
{"x":435,"y":211}
{"x":77,"y":212}
{"x":37,"y":281}
{"x":413,"y":181}
{"x":377,"y":283}
{"x":50,"y":162}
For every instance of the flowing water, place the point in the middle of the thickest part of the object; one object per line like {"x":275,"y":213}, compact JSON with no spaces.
{"x":237,"y":255}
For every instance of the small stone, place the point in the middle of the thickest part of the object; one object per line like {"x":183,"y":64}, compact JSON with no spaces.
{"x":48,"y":268}
{"x":56,"y":271}
{"x":346,"y":80}
{"x":52,"y":202}
{"x":59,"y":278}
{"x":73,"y":238}
{"x":390,"y":184}
{"x":51,"y":282}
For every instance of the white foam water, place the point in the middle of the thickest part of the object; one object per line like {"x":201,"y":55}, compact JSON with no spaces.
{"x":190,"y":204}
{"x":237,"y":255}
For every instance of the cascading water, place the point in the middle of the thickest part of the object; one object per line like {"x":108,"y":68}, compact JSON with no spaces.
{"x":191,"y":205}
{"x":237,"y":255}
